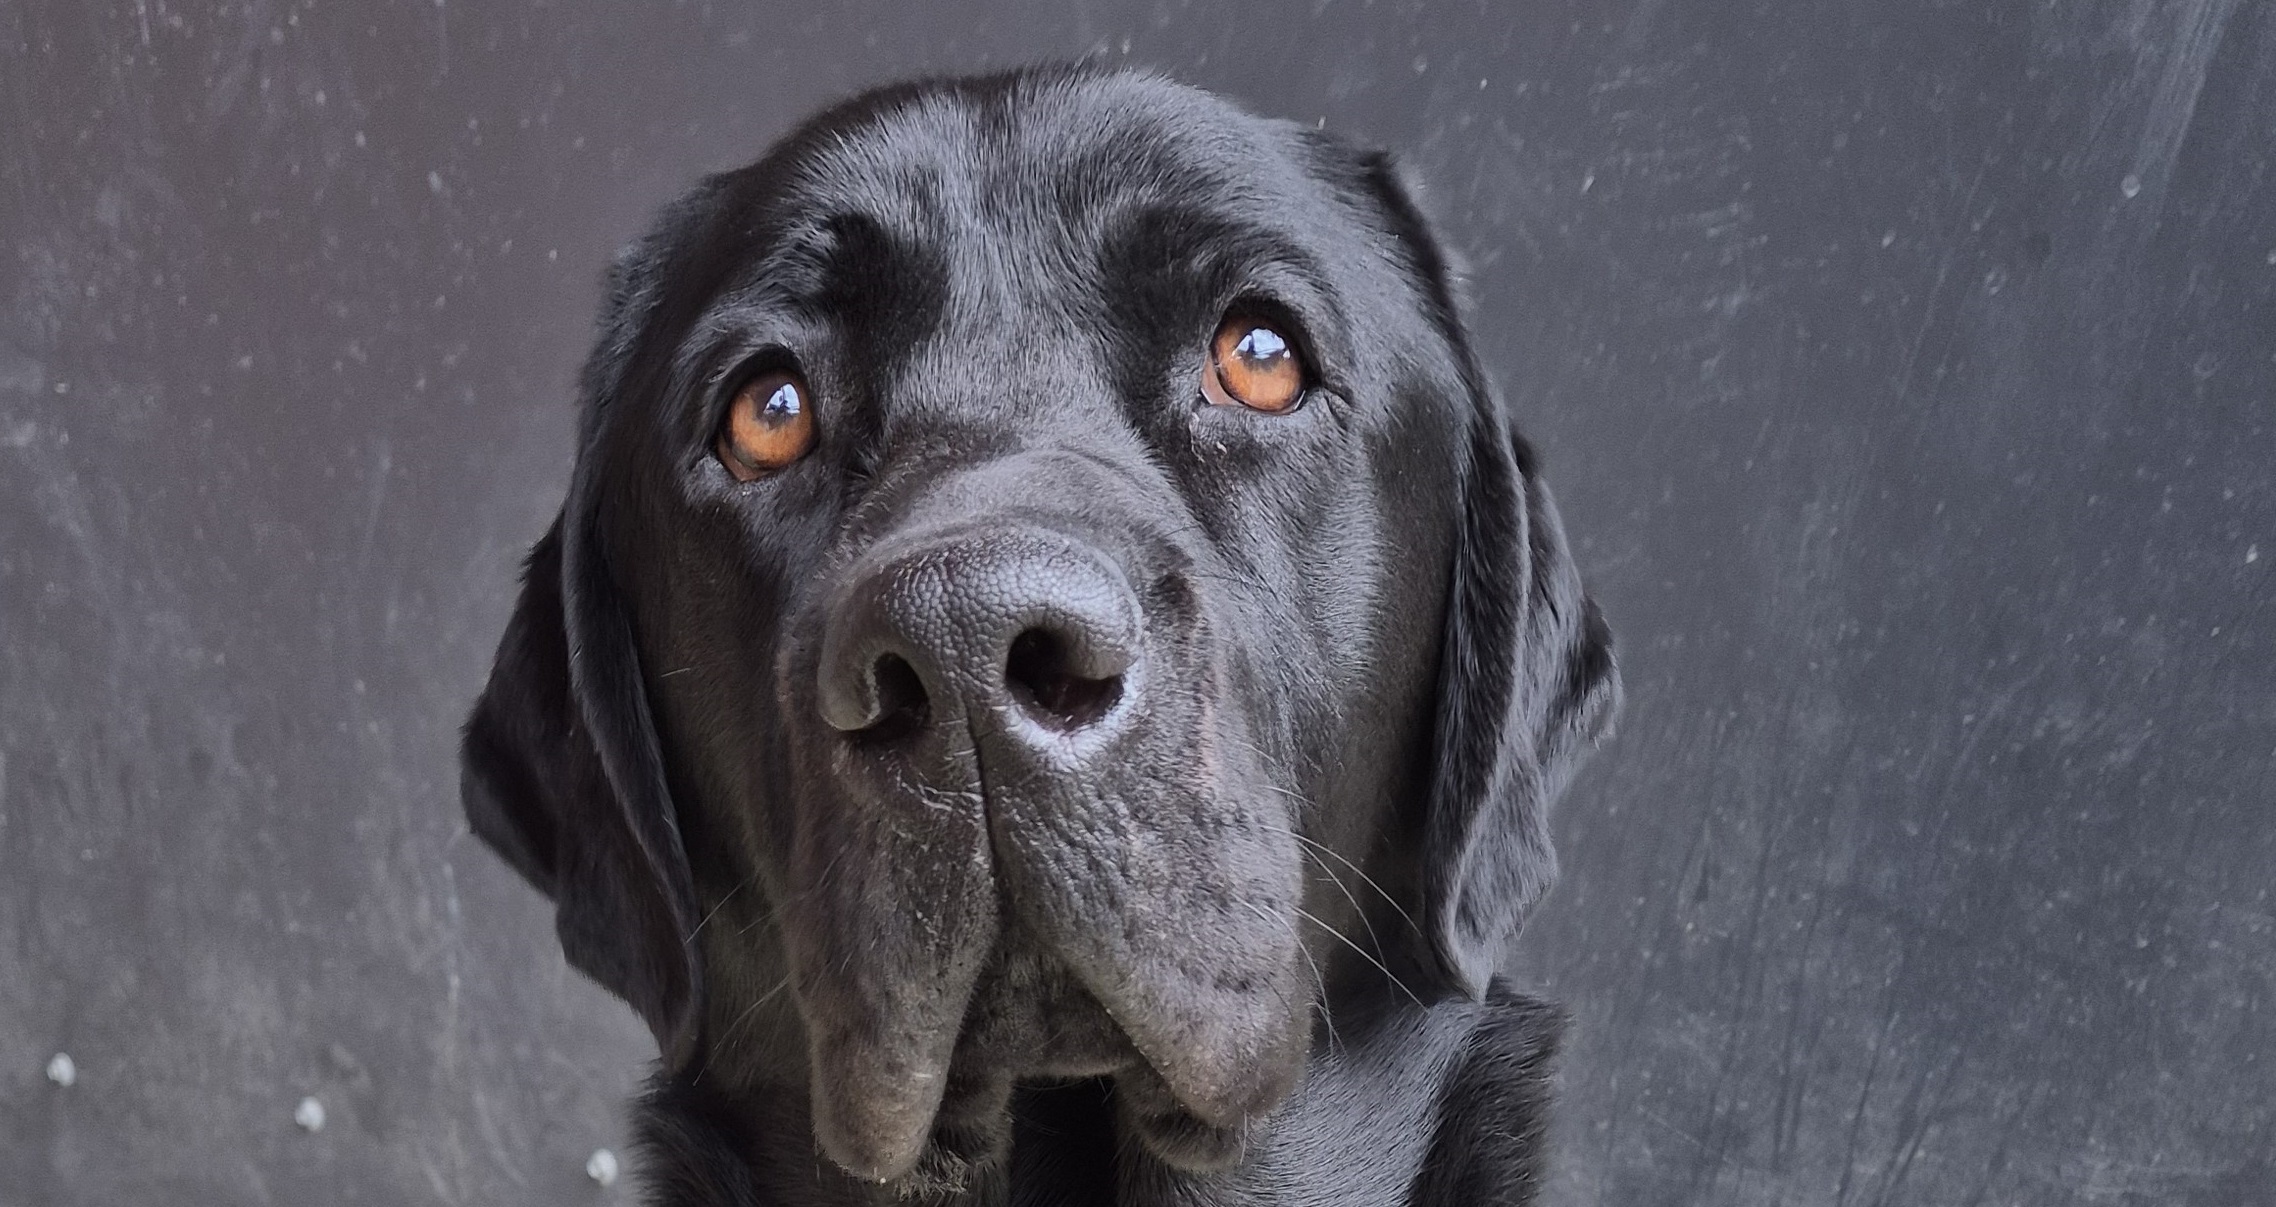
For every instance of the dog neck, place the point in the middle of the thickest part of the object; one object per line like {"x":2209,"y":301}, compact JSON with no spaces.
{"x":1443,"y":1104}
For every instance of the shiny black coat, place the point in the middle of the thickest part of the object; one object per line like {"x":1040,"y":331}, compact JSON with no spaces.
{"x":1052,"y":788}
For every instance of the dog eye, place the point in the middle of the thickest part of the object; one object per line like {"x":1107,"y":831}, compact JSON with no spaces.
{"x":1252,"y":364}
{"x":769,"y":425}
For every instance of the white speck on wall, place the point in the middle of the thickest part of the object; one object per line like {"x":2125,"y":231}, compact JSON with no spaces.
{"x":309,"y":1115}
{"x":62,"y":1070}
{"x":435,"y":183}
{"x":2131,"y":186}
{"x":601,"y":1167}
{"x":2251,"y":554}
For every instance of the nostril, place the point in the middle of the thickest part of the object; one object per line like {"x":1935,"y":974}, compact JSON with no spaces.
{"x":1037,"y":672}
{"x":902,"y":705}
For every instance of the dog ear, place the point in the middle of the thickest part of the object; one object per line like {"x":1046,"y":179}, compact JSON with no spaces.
{"x":1527,"y":683}
{"x":561,"y":768}
{"x":561,"y":771}
{"x":1527,"y":680}
{"x":538,"y":789}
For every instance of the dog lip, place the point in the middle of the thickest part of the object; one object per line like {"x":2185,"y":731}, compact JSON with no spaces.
{"x":1226,"y":1092}
{"x":873,"y":1113}
{"x":877,"y":1105}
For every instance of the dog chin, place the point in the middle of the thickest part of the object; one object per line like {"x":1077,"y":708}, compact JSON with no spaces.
{"x":1148,"y":1112}
{"x":969,"y":1139}
{"x":1034,"y":1031}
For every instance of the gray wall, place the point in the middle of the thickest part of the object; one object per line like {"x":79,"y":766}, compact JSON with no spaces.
{"x":1905,"y":369}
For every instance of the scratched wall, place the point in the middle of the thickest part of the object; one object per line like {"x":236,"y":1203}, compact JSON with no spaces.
{"x":1905,"y":368}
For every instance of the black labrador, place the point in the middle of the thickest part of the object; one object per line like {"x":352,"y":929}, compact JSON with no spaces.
{"x":1048,"y":681}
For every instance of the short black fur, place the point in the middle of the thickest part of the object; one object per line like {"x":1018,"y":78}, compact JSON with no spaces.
{"x":1226,"y":934}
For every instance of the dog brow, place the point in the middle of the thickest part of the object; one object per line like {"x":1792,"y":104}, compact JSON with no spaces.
{"x":1206,"y":242}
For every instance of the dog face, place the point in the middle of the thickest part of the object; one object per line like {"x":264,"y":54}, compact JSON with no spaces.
{"x":1045,"y":592}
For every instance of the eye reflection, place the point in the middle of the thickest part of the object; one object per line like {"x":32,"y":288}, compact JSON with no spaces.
{"x":767,"y":427}
{"x":1251,"y":364}
{"x":784,"y":404}
{"x":1261,"y":343}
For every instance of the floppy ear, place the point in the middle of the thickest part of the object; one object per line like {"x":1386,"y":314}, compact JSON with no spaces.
{"x":1526,"y":684}
{"x":560,"y":768}
{"x":1526,"y":675}
{"x":538,"y":789}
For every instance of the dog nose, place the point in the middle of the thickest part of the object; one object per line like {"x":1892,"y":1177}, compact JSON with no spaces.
{"x":1024,"y":625}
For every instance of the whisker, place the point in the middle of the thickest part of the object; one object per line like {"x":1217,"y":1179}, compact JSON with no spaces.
{"x":726,"y":1037}
{"x":716,"y":908}
{"x":759,"y":921}
{"x":1364,"y":954}
{"x":1341,"y":887}
{"x":699,"y":664}
{"x":1364,"y":877}
{"x":1319,"y":982}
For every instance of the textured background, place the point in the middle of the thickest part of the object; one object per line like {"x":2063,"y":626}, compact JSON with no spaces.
{"x":1905,"y":369}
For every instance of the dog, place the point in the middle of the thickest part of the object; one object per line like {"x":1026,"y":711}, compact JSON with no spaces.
{"x":1048,"y":680}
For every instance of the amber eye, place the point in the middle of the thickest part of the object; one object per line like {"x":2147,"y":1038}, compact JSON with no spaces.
{"x":769,"y":425}
{"x":1252,"y":364}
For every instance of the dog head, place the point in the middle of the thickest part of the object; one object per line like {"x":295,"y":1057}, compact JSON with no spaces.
{"x":1046,"y":591}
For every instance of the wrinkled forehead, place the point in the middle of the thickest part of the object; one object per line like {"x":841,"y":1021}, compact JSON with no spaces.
{"x":1053,"y":186}
{"x":921,"y":233}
